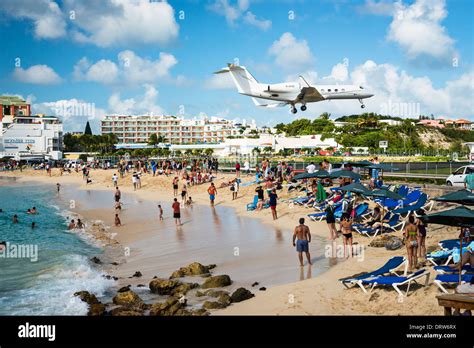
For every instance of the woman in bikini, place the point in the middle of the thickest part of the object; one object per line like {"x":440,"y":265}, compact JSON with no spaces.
{"x":346,"y":228}
{"x":421,"y":234}
{"x":410,"y":235}
{"x":175,"y":186}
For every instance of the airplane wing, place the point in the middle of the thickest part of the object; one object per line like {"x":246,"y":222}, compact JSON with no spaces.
{"x":266,"y":105}
{"x":309,"y":94}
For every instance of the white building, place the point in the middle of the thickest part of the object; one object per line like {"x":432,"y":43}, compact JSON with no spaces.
{"x":28,"y":137}
{"x":137,"y":129}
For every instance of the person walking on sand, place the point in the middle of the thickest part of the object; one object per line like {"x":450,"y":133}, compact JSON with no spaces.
{"x":273,"y":203}
{"x":301,"y":239}
{"x":160,"y":209}
{"x":237,"y":170}
{"x":212,"y":193}
{"x":115,"y":179}
{"x":176,"y":212}
{"x":117,"y":221}
{"x":184,"y":194}
{"x":175,"y":186}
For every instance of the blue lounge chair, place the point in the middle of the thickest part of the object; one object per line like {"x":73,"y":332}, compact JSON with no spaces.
{"x":448,"y":244}
{"x":393,"y":225}
{"x":403,"y":190}
{"x":420,"y":204}
{"x":253,"y":205}
{"x":322,"y":215}
{"x":442,"y":280}
{"x":390,"y":267}
{"x":396,"y":281}
{"x":446,"y":269}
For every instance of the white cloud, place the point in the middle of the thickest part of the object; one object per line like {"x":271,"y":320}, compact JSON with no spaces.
{"x":219,"y":81}
{"x":290,"y":53}
{"x":37,"y":74}
{"x":130,"y":68}
{"x":339,"y":73}
{"x":47,"y":18}
{"x":146,"y":104}
{"x":238,"y":10}
{"x":251,"y":19}
{"x":103,"y":23}
{"x":417,"y":29}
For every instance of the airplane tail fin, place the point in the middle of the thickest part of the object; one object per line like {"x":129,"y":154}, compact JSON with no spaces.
{"x":243,"y":79}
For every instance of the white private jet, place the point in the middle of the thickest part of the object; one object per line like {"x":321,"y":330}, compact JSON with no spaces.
{"x":290,"y":93}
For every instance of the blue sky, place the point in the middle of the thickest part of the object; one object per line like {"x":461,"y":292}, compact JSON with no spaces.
{"x":132,"y":57}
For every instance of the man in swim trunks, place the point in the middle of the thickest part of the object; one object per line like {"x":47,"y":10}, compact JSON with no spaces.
{"x":302,"y":244}
{"x":212,"y":193}
{"x":176,"y":212}
{"x":71,"y":225}
{"x":118,"y":194}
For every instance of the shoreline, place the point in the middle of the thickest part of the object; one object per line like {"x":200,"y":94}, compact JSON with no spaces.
{"x":322,"y":295}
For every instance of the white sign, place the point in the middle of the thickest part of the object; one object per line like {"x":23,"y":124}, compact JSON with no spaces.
{"x":383,"y":144}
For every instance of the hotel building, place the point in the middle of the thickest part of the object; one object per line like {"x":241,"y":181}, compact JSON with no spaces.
{"x":137,"y":129}
{"x":25,"y":136}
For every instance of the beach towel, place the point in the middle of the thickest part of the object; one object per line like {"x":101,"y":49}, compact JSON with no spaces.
{"x":321,"y":196}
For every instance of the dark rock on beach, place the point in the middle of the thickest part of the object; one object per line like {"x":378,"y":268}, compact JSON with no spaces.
{"x":225,"y":299}
{"x":212,"y":293}
{"x":114,"y":263}
{"x":192,"y":269}
{"x":96,"y":309}
{"x":213,"y":305}
{"x":87,"y":297}
{"x":163,"y":286}
{"x":130,"y":300}
{"x":125,"y":312}
{"x":96,"y":260}
{"x":255,"y":284}
{"x":141,"y":285}
{"x":216,"y":281}
{"x":171,"y":306}
{"x":137,"y":274}
{"x":262,"y":288}
{"x":241,"y":294}
{"x":124,"y":288}
{"x":394,"y":243}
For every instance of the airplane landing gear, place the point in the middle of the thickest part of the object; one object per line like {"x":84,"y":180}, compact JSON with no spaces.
{"x":293,"y":109}
{"x":362,"y":103}
{"x":303,"y":107}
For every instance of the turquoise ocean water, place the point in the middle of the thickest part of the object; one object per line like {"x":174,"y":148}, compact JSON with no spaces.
{"x":44,"y":287}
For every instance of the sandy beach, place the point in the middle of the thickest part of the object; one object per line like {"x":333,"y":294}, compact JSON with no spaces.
{"x":321,"y":294}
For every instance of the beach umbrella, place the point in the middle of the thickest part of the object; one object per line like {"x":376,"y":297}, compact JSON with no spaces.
{"x":321,"y":174}
{"x":356,"y":188}
{"x":464,"y":197}
{"x":301,"y":176}
{"x":363,"y":163}
{"x":459,"y":217}
{"x":344,"y":174}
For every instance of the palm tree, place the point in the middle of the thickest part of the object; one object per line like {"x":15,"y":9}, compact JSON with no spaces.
{"x":256,"y":151}
{"x":268,"y":149}
{"x":209,"y":151}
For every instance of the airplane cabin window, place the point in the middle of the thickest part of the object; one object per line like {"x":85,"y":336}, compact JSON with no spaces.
{"x":342,"y":89}
{"x":335,"y":90}
{"x":329,"y":90}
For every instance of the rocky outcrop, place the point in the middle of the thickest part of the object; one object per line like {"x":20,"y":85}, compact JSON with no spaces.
{"x":125,"y":312}
{"x":163,"y":286}
{"x":225,"y":299}
{"x":213,"y":305}
{"x":87,"y":297}
{"x":212,"y":293}
{"x":129,"y":300}
{"x":192,"y":269}
{"x":137,"y":274}
{"x":96,"y":309}
{"x":241,"y":294}
{"x":394,"y":243}
{"x":216,"y":281}
{"x":171,"y":306}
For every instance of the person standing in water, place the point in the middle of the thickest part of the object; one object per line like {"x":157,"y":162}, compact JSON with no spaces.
{"x":175,"y":186}
{"x":176,"y":212}
{"x":273,"y":203}
{"x":58,"y":186}
{"x":160,"y":209}
{"x":71,"y":225}
{"x":117,"y":221}
{"x":118,"y":194}
{"x":15,"y":219}
{"x":212,"y":193}
{"x":303,"y":236}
